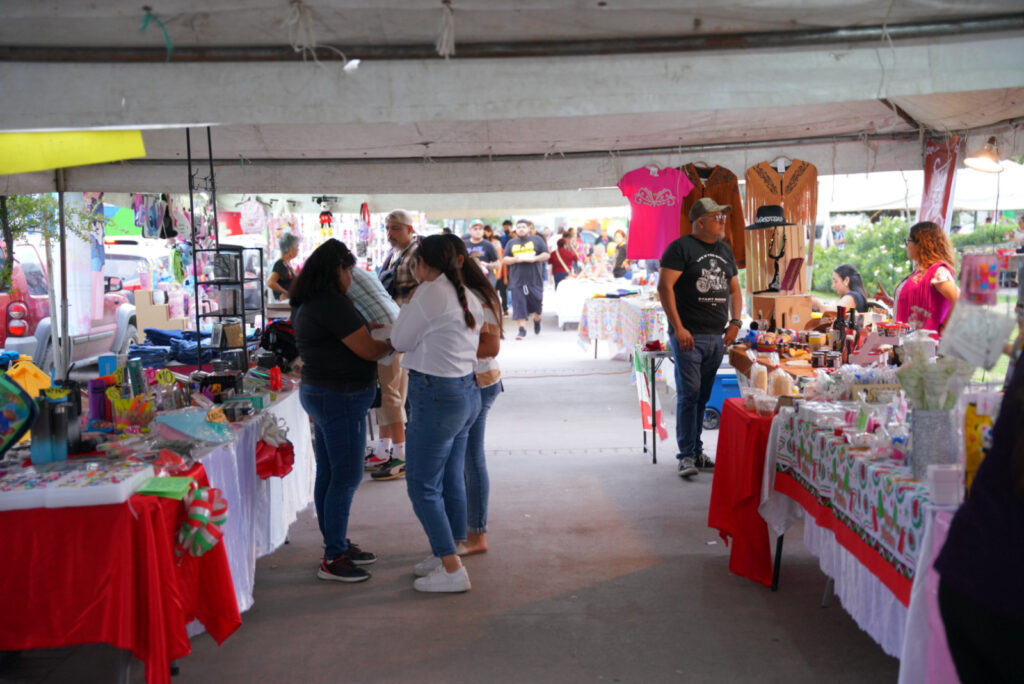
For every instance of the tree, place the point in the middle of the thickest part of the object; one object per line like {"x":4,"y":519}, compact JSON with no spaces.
{"x":24,"y":214}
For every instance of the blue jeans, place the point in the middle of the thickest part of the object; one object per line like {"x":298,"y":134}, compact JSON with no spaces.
{"x":339,"y":442}
{"x":695,"y":378}
{"x":441,"y":411}
{"x":478,"y":485}
{"x":559,"y":277}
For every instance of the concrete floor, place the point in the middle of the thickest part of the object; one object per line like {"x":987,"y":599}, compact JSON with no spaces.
{"x":601,"y":569}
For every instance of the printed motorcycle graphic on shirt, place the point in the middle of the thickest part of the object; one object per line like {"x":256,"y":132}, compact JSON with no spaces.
{"x":712,"y":279}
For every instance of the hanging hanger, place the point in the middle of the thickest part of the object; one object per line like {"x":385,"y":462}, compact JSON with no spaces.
{"x":781,"y":163}
{"x":703,"y":169}
{"x":653,"y":166}
{"x":245,"y":198}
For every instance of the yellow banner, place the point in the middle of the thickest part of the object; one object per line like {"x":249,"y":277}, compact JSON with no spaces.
{"x":27,"y":152}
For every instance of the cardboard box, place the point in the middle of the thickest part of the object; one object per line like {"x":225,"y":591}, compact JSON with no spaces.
{"x":143,"y":298}
{"x":789,"y":311}
{"x":739,"y":360}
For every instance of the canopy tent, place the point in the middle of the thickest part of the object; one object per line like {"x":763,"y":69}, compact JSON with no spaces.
{"x":549,"y":98}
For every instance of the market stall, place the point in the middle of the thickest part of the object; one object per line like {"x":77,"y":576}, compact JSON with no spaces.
{"x":624,"y":321}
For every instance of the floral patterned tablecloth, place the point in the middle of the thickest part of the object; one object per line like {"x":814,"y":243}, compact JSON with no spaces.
{"x":626,"y":321}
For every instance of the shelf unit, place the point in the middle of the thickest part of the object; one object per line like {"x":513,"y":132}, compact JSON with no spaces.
{"x":220,"y":272}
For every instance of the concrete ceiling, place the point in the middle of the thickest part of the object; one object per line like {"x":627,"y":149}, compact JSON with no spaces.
{"x":584,"y":91}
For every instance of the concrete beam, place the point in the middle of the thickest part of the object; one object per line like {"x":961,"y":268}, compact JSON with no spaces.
{"x":119,"y":95}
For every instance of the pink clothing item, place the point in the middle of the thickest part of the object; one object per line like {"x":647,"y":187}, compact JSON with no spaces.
{"x":656,"y":200}
{"x":917,"y":292}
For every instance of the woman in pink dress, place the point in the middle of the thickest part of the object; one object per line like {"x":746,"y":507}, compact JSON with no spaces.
{"x":927,"y":295}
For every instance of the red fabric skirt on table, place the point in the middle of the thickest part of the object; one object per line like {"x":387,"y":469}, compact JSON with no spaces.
{"x":108,"y":574}
{"x":736,"y":491}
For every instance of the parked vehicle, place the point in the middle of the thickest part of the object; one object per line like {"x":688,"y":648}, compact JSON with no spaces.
{"x":25,"y":307}
{"x":129,"y":258}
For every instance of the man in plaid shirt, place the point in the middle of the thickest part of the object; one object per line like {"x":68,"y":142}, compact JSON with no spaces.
{"x":396,"y":277}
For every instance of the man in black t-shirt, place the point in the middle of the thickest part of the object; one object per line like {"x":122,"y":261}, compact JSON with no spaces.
{"x":698,"y":285}
{"x":525,"y":256}
{"x":482,"y":250}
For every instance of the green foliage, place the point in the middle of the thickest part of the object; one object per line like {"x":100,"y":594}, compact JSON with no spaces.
{"x":38,"y":214}
{"x":876,"y":250}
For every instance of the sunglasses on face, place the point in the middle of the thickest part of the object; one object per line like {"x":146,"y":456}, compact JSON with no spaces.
{"x":909,"y":240}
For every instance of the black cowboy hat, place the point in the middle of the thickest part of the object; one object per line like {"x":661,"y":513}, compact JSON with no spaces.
{"x":769,"y":216}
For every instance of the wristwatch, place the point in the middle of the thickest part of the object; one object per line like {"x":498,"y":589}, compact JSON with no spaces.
{"x":737,"y":322}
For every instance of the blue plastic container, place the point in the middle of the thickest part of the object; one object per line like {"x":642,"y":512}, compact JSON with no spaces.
{"x":726,"y":386}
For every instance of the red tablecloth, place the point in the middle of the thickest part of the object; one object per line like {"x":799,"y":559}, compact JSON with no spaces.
{"x":108,"y":574}
{"x":736,"y":491}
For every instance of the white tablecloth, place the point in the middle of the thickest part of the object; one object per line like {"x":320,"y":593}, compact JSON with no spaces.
{"x":572,"y":292}
{"x":260,"y":511}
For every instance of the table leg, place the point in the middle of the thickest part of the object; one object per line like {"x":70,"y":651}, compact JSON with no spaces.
{"x":124,"y":670}
{"x":778,"y":563}
{"x":654,"y":412}
{"x":595,"y":347}
{"x":830,"y":586}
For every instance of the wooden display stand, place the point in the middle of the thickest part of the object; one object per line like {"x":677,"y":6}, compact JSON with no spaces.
{"x":788,"y":311}
{"x":761,"y":267}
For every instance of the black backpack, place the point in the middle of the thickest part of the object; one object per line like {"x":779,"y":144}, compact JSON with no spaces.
{"x":279,"y":337}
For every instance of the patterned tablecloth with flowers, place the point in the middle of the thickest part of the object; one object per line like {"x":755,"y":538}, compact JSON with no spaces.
{"x":626,"y":321}
{"x":879,"y":500}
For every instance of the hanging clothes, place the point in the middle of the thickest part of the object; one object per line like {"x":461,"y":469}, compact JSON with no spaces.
{"x":795,"y":190}
{"x":654,"y":199}
{"x":254,"y":217}
{"x":723,"y":187}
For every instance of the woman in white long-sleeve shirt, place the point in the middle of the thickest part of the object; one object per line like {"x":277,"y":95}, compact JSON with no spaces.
{"x":439,"y":331}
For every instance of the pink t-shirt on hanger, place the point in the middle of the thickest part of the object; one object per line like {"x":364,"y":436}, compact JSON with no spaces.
{"x":656,"y":199}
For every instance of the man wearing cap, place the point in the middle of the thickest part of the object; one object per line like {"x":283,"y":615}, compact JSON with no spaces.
{"x":699,"y":287}
{"x":525,"y":255}
{"x":388,"y":456}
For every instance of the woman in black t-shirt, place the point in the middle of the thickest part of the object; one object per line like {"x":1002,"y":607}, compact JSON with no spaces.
{"x":848,"y":284}
{"x":338,"y":385}
{"x":281,"y":274}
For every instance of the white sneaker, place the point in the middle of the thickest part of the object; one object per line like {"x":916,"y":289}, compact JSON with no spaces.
{"x":442,"y":581}
{"x":426,"y":566}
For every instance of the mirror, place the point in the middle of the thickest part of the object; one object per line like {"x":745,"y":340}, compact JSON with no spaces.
{"x":112,"y":284}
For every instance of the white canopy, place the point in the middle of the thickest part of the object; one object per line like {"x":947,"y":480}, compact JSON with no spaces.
{"x":549,"y":98}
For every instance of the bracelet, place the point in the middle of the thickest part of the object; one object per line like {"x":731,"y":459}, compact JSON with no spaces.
{"x":737,"y":322}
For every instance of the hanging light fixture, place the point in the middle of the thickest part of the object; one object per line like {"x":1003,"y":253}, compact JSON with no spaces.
{"x":986,"y":159}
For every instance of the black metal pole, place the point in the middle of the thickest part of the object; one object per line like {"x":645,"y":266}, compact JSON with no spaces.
{"x":213,"y":190}
{"x":65,"y":350}
{"x":195,"y":255}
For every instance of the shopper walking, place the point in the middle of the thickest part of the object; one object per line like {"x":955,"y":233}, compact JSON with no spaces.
{"x":397,"y":278}
{"x":499,"y":275}
{"x":697,"y":284}
{"x":338,"y":373}
{"x":525,"y":254}
{"x":488,"y":379}
{"x":439,"y":330}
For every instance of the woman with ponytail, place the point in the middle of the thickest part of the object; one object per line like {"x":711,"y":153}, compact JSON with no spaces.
{"x":439,"y":331}
{"x":488,"y":379}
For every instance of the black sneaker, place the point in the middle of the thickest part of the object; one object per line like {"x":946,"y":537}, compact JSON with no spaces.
{"x":391,"y":470}
{"x":357,"y":556}
{"x":703,"y":462}
{"x":522,"y":333}
{"x":687,"y":467}
{"x":341,"y":569}
{"x":536,"y":327}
